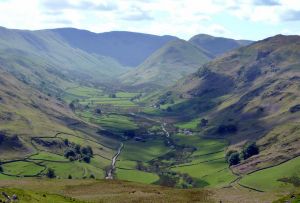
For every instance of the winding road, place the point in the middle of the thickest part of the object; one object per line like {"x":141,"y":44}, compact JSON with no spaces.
{"x":113,"y":163}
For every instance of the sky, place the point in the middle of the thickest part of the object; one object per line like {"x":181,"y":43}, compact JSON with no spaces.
{"x":238,"y":19}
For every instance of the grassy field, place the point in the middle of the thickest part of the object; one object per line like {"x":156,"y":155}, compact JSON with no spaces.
{"x":48,"y":156}
{"x":95,"y":96}
{"x":210,"y":173}
{"x":143,"y":151}
{"x":113,"y":122}
{"x":137,"y":176}
{"x":22,"y":168}
{"x":193,"y":124}
{"x":268,"y":179}
{"x":75,"y":169}
{"x":203,"y":146}
{"x":207,"y":163}
{"x":126,"y":164}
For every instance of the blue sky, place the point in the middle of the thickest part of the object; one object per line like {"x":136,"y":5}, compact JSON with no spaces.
{"x":239,"y":19}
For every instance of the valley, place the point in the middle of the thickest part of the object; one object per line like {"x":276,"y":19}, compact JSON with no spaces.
{"x":190,"y":122}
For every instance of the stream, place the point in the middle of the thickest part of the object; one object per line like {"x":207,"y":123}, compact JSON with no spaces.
{"x":113,"y":163}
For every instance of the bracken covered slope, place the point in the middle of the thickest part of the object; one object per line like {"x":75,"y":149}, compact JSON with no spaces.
{"x":254,"y":88}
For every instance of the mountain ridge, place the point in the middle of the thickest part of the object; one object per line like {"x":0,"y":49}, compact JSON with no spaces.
{"x":128,"y":48}
{"x":168,"y":64}
{"x":253,"y":88}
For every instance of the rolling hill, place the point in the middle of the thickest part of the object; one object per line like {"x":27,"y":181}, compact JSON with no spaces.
{"x":60,"y":109}
{"x":128,"y":48}
{"x":168,"y":64}
{"x":249,"y":94}
{"x":37,"y":125}
{"x":43,"y":57}
{"x":217,"y":46}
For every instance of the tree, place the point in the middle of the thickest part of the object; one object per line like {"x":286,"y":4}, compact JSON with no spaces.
{"x":87,"y":159}
{"x":69,"y":153}
{"x":234,"y":159}
{"x":88,"y":151}
{"x":129,"y":133}
{"x":203,"y":122}
{"x":72,"y":106}
{"x":92,"y":176}
{"x":224,"y":129}
{"x":50,"y":173}
{"x":169,"y":109}
{"x":77,"y":148}
{"x":1,"y":169}
{"x":98,"y":111}
{"x":70,"y":177}
{"x":250,"y":149}
{"x":229,"y":153}
{"x":113,"y":95}
{"x":66,"y":142}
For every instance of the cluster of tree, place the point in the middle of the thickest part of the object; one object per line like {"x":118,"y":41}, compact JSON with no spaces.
{"x":174,"y":179}
{"x":113,"y":95}
{"x":169,"y":109}
{"x":140,"y":166}
{"x":168,"y":179}
{"x":129,"y":133}
{"x":203,"y":123}
{"x":295,"y":108}
{"x":77,"y":152}
{"x":74,"y":104}
{"x":234,"y":157}
{"x":225,"y":129}
{"x":165,"y":99}
{"x":98,"y":111}
{"x":50,"y":173}
{"x":92,"y":176}
{"x":137,"y":97}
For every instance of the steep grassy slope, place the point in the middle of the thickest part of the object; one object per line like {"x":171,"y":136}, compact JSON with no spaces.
{"x":256,"y":90}
{"x":43,"y":57}
{"x":26,"y":113}
{"x":164,"y":67}
{"x":128,"y":48}
{"x":216,"y":46}
{"x":33,"y":130}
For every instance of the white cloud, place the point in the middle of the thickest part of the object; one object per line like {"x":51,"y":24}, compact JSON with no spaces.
{"x":183,"y":18}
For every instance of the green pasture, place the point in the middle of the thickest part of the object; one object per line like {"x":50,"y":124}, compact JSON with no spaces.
{"x":137,"y":176}
{"x":126,"y":164}
{"x":76,"y":169}
{"x":114,"y":122}
{"x":192,"y":125}
{"x":143,"y":151}
{"x":203,"y":145}
{"x":214,"y":173}
{"x":48,"y":156}
{"x":268,"y":179}
{"x":22,"y":168}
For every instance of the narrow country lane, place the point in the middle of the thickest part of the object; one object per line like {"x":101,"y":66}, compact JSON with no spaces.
{"x":113,"y":163}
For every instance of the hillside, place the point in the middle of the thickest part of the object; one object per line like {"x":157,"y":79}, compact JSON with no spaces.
{"x":168,"y":64}
{"x":37,"y":124}
{"x":128,"y":48}
{"x":249,"y":94}
{"x":43,"y":57}
{"x":217,"y":46}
